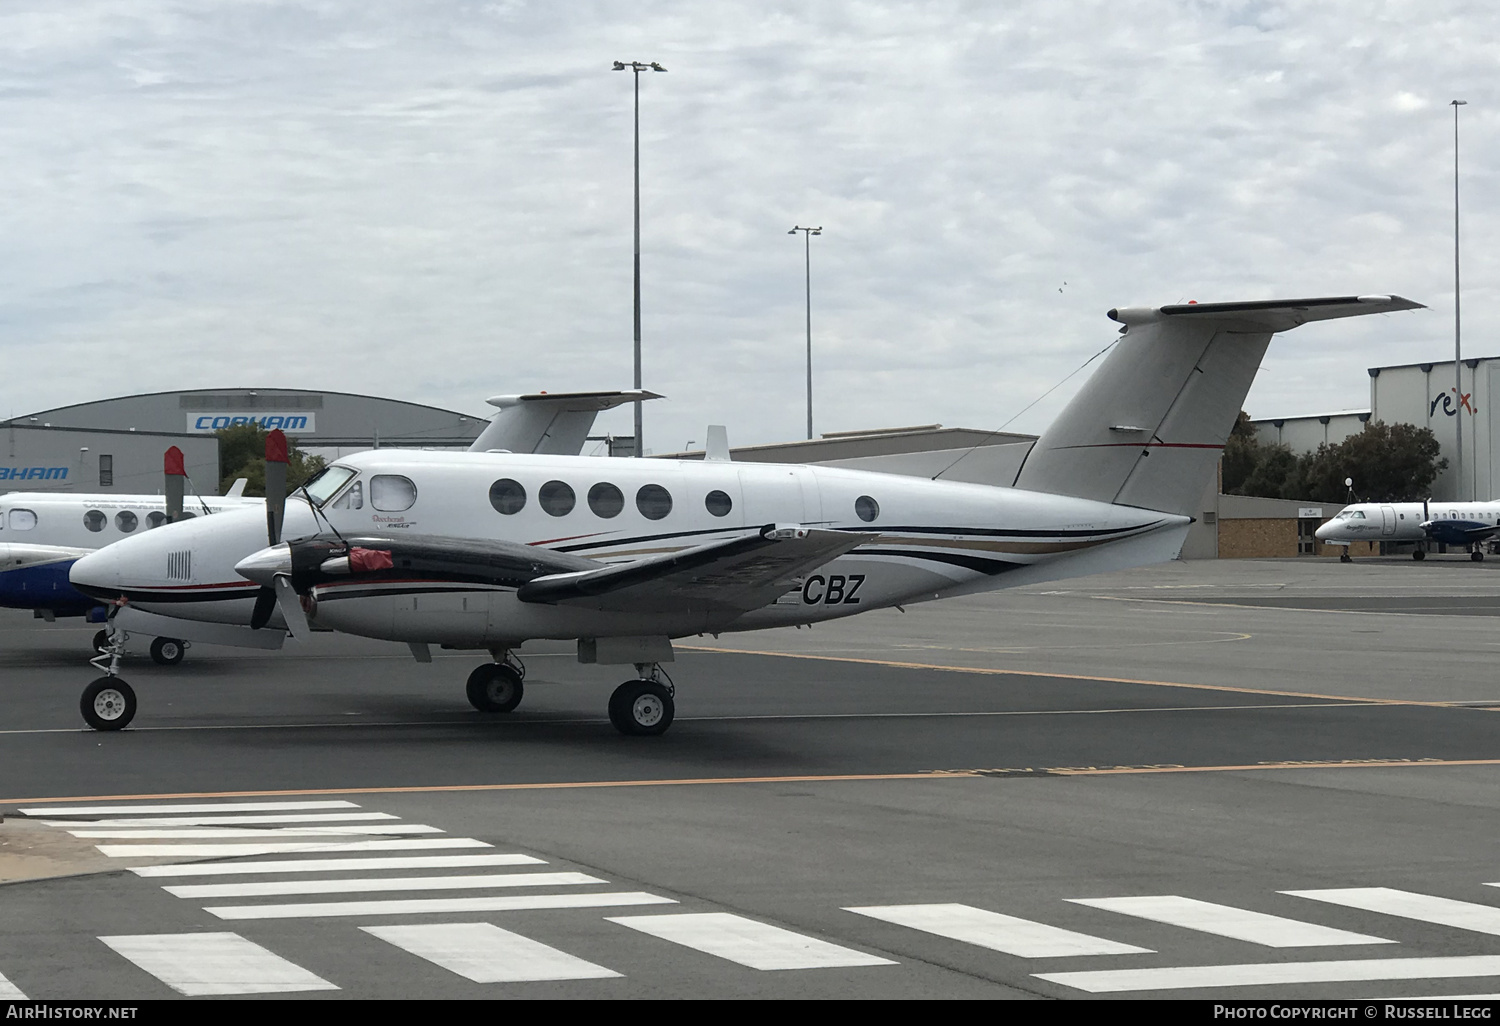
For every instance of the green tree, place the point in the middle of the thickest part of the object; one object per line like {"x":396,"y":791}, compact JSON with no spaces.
{"x":1388,"y":462}
{"x":242,"y":453}
{"x":1242,"y":452}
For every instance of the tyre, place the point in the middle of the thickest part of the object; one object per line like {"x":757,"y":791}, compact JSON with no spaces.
{"x":1419,"y":555}
{"x":1477,"y":556}
{"x":641,"y":708}
{"x":107,"y":704}
{"x":1346,"y":558}
{"x":101,"y":642}
{"x":167,"y":651}
{"x":494,"y":688}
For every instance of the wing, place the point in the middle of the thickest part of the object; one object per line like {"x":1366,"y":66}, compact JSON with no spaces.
{"x":731,"y":576}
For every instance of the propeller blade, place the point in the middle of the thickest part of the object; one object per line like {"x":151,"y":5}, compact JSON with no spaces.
{"x":276,"y":459}
{"x":265,"y":603}
{"x":176,"y":474}
{"x":291,"y":607}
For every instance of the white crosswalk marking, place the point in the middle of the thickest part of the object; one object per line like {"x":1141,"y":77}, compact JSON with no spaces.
{"x":753,"y":944}
{"x":230,"y":850}
{"x":10,"y":991}
{"x":1226,"y":921}
{"x":163,"y":833}
{"x":1115,"y":981}
{"x":110,"y":810}
{"x":368,"y":862}
{"x":460,"y":882}
{"x":1020,"y":937}
{"x":185,"y":821}
{"x":423,"y":906}
{"x":201,"y":964}
{"x":487,"y":954}
{"x":1463,"y":915}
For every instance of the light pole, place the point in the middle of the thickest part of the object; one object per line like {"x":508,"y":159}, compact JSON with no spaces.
{"x":1458,"y":378}
{"x":638,"y":67}
{"x":807,"y":234}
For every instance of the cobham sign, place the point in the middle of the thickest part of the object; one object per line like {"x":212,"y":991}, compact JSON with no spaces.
{"x":291,"y":423}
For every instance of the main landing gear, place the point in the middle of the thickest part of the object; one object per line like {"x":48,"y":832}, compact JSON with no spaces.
{"x":643,"y":706}
{"x":1419,"y":554}
{"x":1344,"y":556}
{"x":497,"y":687}
{"x":1477,"y":555}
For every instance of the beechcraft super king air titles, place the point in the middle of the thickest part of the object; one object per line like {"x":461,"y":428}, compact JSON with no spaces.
{"x":488,"y":550}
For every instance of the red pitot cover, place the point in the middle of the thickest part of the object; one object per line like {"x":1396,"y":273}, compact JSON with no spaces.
{"x":172,"y":462}
{"x":366,"y":560}
{"x":276,"y":447}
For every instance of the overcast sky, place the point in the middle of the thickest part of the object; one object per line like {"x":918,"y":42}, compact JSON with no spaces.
{"x":432,"y":201}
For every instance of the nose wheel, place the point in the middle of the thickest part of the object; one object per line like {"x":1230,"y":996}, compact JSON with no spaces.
{"x":107,"y":704}
{"x":643,"y":707}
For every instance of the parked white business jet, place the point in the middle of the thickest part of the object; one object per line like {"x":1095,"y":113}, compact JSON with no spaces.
{"x":1466,"y":524}
{"x":488,"y":550}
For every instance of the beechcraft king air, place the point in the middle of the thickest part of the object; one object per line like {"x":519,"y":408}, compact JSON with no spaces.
{"x":487,"y":550}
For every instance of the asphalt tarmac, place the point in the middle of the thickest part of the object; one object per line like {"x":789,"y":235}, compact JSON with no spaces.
{"x":1099,"y":787}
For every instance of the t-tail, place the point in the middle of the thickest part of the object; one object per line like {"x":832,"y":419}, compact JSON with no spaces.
{"x":1148,"y":427}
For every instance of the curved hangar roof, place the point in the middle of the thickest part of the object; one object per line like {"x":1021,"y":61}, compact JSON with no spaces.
{"x":315,"y":417}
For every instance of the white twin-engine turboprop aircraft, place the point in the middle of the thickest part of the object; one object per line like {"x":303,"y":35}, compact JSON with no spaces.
{"x":485,"y":550}
{"x":1465,"y":524}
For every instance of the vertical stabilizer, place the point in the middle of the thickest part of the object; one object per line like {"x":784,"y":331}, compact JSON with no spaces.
{"x":1148,"y":427}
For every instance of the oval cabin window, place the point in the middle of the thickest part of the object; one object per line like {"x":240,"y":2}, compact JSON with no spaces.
{"x":507,"y":496}
{"x":557,"y":498}
{"x":95,"y":520}
{"x":653,"y":501}
{"x":866,"y":508}
{"x":155,"y":519}
{"x":392,"y":493}
{"x":718,"y":503}
{"x":126,"y":521}
{"x":606,"y":500}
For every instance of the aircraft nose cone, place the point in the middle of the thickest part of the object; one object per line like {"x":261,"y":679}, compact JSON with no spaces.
{"x":1324,"y":532}
{"x":97,"y":575}
{"x":263,"y":566}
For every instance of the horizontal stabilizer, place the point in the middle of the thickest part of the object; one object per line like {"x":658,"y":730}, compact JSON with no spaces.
{"x":731,"y":576}
{"x":555,"y":423}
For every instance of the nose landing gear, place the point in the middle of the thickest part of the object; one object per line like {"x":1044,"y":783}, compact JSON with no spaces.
{"x":645,"y":706}
{"x":109,"y":703}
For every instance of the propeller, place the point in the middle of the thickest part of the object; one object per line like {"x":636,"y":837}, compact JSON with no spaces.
{"x":268,"y":598}
{"x":176,"y":474}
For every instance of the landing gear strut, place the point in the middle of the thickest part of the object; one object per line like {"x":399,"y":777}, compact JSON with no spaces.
{"x":643,"y":706}
{"x":496,"y":687}
{"x":109,"y":703}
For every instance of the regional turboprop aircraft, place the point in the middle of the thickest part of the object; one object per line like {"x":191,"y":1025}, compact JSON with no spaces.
{"x":488,"y":550}
{"x":1466,"y":524}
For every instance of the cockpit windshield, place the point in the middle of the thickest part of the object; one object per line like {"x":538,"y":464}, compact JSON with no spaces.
{"x":1351,"y":514}
{"x":322,"y":485}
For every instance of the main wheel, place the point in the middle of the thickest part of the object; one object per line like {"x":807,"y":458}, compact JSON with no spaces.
{"x":1419,"y":554}
{"x":107,"y":704}
{"x":494,"y":688}
{"x":1345,"y":557}
{"x":1477,"y":556}
{"x":101,"y":642}
{"x":167,"y":651}
{"x":641,"y":707}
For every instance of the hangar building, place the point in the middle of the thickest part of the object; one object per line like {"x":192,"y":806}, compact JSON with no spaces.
{"x":116,"y":445}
